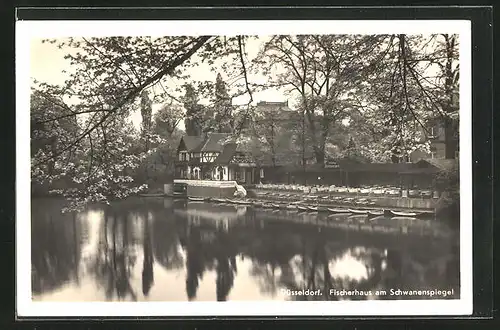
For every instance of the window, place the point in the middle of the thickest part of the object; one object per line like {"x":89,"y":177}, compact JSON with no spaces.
{"x":196,"y":173}
{"x":243,"y":175}
{"x":261,"y":173}
{"x":432,"y":132}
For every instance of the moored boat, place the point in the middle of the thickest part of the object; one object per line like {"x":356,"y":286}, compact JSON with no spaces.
{"x":339,"y":215}
{"x":358,"y":211}
{"x":302,"y":208}
{"x":336,"y":210}
{"x":402,"y":214}
{"x":312,"y":208}
{"x":196,"y":199}
{"x":219,"y":200}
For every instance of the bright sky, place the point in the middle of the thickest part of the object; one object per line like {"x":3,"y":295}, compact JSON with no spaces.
{"x":48,"y":65}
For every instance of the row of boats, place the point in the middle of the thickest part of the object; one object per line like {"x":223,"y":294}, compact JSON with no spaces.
{"x":302,"y":207}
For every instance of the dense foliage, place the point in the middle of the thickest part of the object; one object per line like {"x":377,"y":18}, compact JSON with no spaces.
{"x":370,"y":97}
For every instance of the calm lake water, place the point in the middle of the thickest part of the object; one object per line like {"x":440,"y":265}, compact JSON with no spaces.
{"x":155,"y":249}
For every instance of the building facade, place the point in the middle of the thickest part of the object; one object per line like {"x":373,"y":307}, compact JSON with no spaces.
{"x":436,"y":135}
{"x":215,"y":157}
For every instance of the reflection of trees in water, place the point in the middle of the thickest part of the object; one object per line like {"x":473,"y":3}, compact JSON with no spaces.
{"x":226,"y":265}
{"x":270,"y":253}
{"x":147,"y":267}
{"x":207,"y":249}
{"x":194,"y":263}
{"x":413,"y":269}
{"x":115,"y":256}
{"x":165,"y":240}
{"x":55,"y":247}
{"x":300,"y":261}
{"x":283,"y":261}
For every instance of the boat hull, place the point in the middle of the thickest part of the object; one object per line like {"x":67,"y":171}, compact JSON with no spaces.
{"x":358,"y":212}
{"x":403,"y":214}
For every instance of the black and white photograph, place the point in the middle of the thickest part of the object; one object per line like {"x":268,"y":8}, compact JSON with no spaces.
{"x":243,"y":168}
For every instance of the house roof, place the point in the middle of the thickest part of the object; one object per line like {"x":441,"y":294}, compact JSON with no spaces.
{"x":214,"y":142}
{"x":191,"y":142}
{"x":441,"y":164}
{"x":226,"y":154}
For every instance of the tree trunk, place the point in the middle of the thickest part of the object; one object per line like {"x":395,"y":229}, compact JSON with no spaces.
{"x":450,"y":128}
{"x":319,"y":154}
{"x":450,"y":141}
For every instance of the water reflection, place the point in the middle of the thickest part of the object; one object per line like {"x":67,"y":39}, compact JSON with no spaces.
{"x":54,"y":261}
{"x":147,"y":268}
{"x":173,"y":250}
{"x":115,"y":256}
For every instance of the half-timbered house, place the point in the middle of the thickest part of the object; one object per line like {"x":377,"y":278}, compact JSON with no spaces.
{"x":214,"y":157}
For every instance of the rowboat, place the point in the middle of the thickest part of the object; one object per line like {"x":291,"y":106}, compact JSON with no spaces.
{"x":312,"y":208}
{"x":219,"y":200}
{"x":291,"y":207}
{"x":301,"y":208}
{"x":196,"y":199}
{"x":322,"y":209}
{"x":267,"y":205}
{"x":334,"y":210}
{"x":358,"y":211}
{"x":402,"y":214}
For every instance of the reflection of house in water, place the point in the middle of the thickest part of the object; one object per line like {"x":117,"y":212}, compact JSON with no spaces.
{"x":212,"y":216}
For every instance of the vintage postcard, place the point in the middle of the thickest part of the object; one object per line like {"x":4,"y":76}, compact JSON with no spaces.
{"x":192,"y":168}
